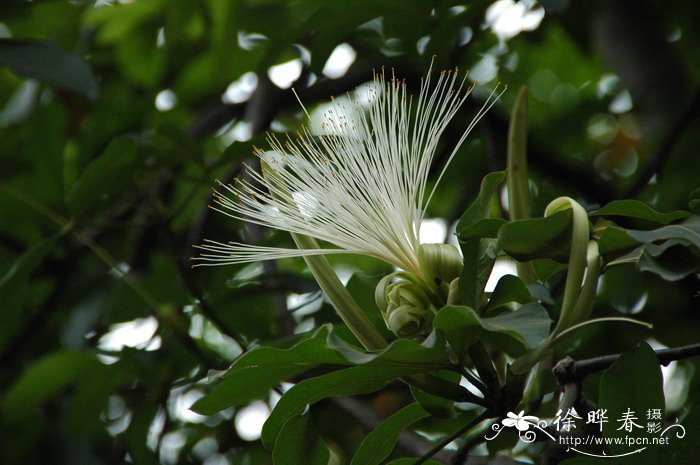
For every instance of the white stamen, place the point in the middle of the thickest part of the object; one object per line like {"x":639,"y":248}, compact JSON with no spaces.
{"x":360,"y":186}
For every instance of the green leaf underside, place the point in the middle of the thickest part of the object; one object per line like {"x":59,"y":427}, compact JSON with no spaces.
{"x":379,"y":443}
{"x":515,"y":332}
{"x":671,"y":251}
{"x":639,"y":210}
{"x":256,"y":372}
{"x":298,"y":443}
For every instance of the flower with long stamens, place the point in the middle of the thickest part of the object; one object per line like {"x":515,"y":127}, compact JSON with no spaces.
{"x":360,"y":187}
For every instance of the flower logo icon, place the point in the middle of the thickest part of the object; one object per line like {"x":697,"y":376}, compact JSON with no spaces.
{"x":521,"y":421}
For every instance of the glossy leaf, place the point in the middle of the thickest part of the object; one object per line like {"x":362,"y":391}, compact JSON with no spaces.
{"x":381,"y":441}
{"x":261,"y":369}
{"x":347,"y":382}
{"x":639,"y":210}
{"x":515,"y":332}
{"x":534,"y":238}
{"x":509,"y":289}
{"x":299,"y":443}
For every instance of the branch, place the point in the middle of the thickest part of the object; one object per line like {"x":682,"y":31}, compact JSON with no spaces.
{"x":568,"y":370}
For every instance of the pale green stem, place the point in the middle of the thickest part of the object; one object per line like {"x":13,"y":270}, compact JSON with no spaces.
{"x":342,"y":301}
{"x":517,"y":181}
{"x":554,"y":340}
{"x":577,"y":259}
{"x":586,"y":300}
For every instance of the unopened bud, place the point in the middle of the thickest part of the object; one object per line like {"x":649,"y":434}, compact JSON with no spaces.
{"x":403,"y":303}
{"x":439,"y":263}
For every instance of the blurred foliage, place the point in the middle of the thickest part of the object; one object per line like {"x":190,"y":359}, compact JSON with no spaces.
{"x":117,"y":117}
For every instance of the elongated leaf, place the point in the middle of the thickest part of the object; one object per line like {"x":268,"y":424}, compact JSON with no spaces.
{"x":478,"y":254}
{"x":49,"y":63}
{"x":639,"y":210}
{"x":547,"y":237}
{"x":438,"y":406}
{"x":298,"y":443}
{"x":347,"y":382}
{"x":258,"y":371}
{"x":687,"y":232}
{"x":381,"y":441}
{"x":671,"y":260}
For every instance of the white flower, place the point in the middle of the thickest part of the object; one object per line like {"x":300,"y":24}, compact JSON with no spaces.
{"x":360,"y":187}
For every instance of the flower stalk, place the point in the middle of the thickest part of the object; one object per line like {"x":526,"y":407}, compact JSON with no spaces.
{"x":517,"y":180}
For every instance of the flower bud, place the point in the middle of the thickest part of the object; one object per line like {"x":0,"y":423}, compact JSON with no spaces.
{"x":439,"y":263}
{"x":403,"y":303}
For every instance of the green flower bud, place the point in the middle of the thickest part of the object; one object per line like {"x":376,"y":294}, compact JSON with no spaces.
{"x":439,"y":263}
{"x":404,"y":304}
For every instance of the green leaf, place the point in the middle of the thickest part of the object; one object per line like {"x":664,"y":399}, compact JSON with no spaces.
{"x":639,"y":210}
{"x":675,"y":256}
{"x":614,"y":242}
{"x":479,"y":209}
{"x":298,"y":443}
{"x":509,"y":289}
{"x":104,"y":177}
{"x":256,"y":372}
{"x":547,"y":237}
{"x":49,"y":63}
{"x":347,"y":382}
{"x":671,"y":260}
{"x":531,"y":322}
{"x":381,"y":441}
{"x":437,"y":406}
{"x":46,"y":377}
{"x":514,"y":332}
{"x":479,"y":254}
{"x":687,"y":232}
{"x":484,"y":228}
{"x":403,"y":357}
{"x":633,"y":382}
